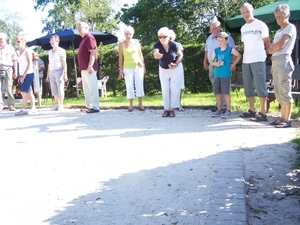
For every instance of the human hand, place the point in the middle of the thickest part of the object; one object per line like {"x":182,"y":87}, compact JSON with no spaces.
{"x":157,"y":55}
{"x":172,"y":65}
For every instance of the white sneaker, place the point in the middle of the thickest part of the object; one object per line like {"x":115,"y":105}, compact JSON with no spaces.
{"x":55,"y":107}
{"x":217,"y":113}
{"x":21,"y":112}
{"x":226,"y":114}
{"x":32,"y":110}
{"x":60,"y":108}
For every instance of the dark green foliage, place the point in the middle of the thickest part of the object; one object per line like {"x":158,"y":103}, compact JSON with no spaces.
{"x":196,"y":78}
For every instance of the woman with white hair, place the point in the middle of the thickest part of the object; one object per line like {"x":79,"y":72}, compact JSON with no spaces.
{"x":180,"y":65}
{"x":282,"y":64}
{"x":132,"y":68}
{"x":170,"y":55}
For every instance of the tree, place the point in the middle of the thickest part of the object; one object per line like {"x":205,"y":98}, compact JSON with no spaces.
{"x":66,"y":14}
{"x":189,"y":19}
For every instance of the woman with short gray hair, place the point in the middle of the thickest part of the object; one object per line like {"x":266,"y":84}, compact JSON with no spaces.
{"x":282,"y":64}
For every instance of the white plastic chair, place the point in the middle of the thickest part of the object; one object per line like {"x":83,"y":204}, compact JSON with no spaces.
{"x":102,"y":86}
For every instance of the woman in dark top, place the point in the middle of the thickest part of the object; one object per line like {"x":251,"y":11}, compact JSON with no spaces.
{"x":170,"y":55}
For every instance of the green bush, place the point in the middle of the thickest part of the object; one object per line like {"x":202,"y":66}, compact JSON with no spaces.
{"x":196,"y":78}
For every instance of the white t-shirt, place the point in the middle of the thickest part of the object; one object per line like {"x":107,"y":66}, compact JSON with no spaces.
{"x":289,"y":46}
{"x":252,"y":36}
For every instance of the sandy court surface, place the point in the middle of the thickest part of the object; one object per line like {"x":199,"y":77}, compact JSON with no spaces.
{"x":116,"y":167}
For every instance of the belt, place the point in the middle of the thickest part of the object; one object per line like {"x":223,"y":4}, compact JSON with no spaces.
{"x":280,"y":56}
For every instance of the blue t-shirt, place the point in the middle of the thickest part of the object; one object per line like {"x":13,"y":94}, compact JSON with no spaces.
{"x":226,"y":57}
{"x":168,"y":57}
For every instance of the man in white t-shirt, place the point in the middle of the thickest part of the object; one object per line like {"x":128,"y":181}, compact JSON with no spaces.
{"x":255,"y":36}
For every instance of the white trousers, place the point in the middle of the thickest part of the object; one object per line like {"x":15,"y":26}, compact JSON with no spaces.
{"x":134,"y":78}
{"x":90,"y":89}
{"x":170,"y":87}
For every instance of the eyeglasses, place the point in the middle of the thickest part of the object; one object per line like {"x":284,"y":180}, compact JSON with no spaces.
{"x":160,"y":37}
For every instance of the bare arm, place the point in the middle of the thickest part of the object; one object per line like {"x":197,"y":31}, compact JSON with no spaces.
{"x":237,"y":57}
{"x":274,"y":47}
{"x":205,"y":61}
{"x":93,"y":57}
{"x":121,"y":74}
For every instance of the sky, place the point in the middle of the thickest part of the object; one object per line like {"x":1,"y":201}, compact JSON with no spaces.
{"x":30,"y":21}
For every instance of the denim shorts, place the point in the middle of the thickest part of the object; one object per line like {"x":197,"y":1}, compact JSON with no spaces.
{"x":26,"y":85}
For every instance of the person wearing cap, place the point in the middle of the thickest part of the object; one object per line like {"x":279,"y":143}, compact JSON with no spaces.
{"x":282,"y":64}
{"x":39,"y":64}
{"x":223,"y":63}
{"x":210,"y":45}
{"x":8,"y":66}
{"x":255,"y":36}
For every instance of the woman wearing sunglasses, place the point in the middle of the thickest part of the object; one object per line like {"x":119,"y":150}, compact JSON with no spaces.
{"x":170,"y":55}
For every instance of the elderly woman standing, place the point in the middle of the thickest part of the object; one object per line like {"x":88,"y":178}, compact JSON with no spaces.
{"x":282,"y":64}
{"x":170,"y":55}
{"x":57,"y":72}
{"x":26,"y":76}
{"x":132,"y":68}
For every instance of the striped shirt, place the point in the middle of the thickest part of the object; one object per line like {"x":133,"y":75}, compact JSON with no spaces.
{"x":55,"y":58}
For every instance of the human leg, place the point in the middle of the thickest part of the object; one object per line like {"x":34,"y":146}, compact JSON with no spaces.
{"x":164,"y":78}
{"x":139,"y":86}
{"x":90,"y":89}
{"x":9,"y":88}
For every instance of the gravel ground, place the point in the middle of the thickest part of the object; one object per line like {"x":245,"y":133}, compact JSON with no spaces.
{"x":116,"y":167}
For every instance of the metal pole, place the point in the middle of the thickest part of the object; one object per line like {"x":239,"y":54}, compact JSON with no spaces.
{"x":75,"y":68}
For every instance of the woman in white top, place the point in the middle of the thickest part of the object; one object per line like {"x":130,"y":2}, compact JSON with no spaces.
{"x":57,"y":72}
{"x":282,"y":64}
{"x":26,"y":75}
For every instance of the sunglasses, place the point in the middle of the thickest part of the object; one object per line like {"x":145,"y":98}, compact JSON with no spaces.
{"x":160,"y":37}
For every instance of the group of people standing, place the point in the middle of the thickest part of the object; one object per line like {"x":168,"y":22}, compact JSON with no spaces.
{"x":220,"y":60}
{"x":20,"y":65}
{"x":257,"y":45}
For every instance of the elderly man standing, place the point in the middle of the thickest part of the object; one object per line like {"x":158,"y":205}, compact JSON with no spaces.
{"x":211,"y":44}
{"x":8,"y":69}
{"x":88,"y":65}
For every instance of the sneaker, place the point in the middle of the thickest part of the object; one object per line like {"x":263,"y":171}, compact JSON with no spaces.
{"x":55,"y":107}
{"x":92,"y":110}
{"x":32,"y":110}
{"x":21,"y":112}
{"x":60,"y":108}
{"x":217,"y":113}
{"x":226,"y":114}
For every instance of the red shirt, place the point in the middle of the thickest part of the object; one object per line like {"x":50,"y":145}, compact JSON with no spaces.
{"x":87,"y":43}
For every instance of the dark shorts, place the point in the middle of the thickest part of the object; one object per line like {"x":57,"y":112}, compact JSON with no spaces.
{"x":222,"y":85}
{"x":26,"y":85}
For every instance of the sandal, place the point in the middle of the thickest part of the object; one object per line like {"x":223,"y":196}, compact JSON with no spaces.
{"x":171,"y":113}
{"x":165,"y":114}
{"x":259,"y":117}
{"x":284,"y":124}
{"x":248,"y":114}
{"x":276,"y":122}
{"x":181,"y":109}
{"x":142,"y":109}
{"x":130,"y":109}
